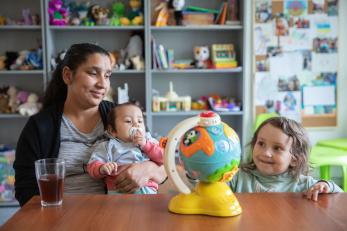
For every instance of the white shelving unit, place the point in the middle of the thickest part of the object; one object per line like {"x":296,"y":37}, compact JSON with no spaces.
{"x":197,"y":82}
{"x":17,"y":38}
{"x":194,"y":82}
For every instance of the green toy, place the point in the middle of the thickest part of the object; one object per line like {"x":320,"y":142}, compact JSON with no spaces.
{"x":118,"y":9}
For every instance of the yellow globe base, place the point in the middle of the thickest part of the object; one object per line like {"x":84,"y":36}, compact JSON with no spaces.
{"x":214,"y":199}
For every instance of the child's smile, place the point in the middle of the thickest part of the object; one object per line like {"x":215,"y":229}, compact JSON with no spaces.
{"x":271,"y":152}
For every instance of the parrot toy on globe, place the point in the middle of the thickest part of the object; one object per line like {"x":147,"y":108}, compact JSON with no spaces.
{"x":210,"y":153}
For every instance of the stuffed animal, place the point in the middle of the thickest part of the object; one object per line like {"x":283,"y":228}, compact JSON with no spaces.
{"x":57,"y":13}
{"x":31,"y":107}
{"x":2,"y":20}
{"x":118,"y":11}
{"x":12,"y":101}
{"x":201,"y":56}
{"x":4,"y":98}
{"x":99,"y":14}
{"x":135,"y":15}
{"x":134,"y":49}
{"x":2,"y":62}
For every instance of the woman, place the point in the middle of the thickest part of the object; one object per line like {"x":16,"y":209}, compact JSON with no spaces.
{"x":72,"y":119}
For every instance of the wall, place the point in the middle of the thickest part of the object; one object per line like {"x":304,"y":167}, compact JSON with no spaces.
{"x":317,"y":134}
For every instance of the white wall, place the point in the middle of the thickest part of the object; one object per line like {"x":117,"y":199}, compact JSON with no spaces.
{"x":317,"y":134}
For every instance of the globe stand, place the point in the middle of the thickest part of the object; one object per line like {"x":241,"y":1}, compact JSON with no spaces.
{"x":215,"y":199}
{"x":212,"y":196}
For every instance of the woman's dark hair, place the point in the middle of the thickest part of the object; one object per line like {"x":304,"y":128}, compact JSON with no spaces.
{"x":111,"y":117}
{"x":76,"y":55}
{"x":300,"y":146}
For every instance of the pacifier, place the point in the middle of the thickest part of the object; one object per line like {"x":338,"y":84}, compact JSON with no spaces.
{"x":133,"y":131}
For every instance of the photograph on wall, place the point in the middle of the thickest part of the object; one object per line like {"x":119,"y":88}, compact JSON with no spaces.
{"x":296,"y":8}
{"x":263,"y":11}
{"x":301,"y":55}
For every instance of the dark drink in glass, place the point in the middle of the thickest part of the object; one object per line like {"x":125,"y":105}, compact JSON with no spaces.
{"x":51,"y":189}
{"x":50,"y":175}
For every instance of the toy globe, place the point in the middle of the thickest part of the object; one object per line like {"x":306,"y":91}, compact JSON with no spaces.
{"x":210,"y":152}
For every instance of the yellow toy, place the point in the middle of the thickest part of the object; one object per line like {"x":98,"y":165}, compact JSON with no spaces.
{"x":210,"y":151}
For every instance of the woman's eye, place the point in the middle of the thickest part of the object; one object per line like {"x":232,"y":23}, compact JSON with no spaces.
{"x":91,"y":73}
{"x":261,"y":143}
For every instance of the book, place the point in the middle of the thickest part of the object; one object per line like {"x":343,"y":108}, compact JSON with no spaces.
{"x":223,"y":15}
{"x":163,"y":57}
{"x":201,"y":9}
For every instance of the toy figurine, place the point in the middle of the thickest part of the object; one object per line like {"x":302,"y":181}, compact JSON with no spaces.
{"x":178,"y":6}
{"x":118,"y":11}
{"x":57,"y":13}
{"x":201,"y":56}
{"x":135,"y":15}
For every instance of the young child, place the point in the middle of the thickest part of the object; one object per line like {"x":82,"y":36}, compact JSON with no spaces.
{"x":128,"y":143}
{"x":279,"y":163}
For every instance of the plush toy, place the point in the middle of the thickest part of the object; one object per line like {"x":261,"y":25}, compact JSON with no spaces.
{"x":134,"y":49}
{"x":57,"y":13}
{"x":118,"y":11}
{"x":2,"y":20}
{"x":99,"y":15}
{"x":135,"y":15}
{"x":201,"y":56}
{"x":2,"y":62}
{"x":22,"y":97}
{"x":19,"y":62}
{"x":27,"y":18}
{"x":4,"y":98}
{"x":31,"y":107}
{"x":12,"y":102}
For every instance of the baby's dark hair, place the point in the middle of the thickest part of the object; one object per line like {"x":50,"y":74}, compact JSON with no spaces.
{"x":111,"y":117}
{"x":300,"y":146}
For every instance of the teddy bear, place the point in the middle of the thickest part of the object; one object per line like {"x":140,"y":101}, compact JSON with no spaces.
{"x":4,"y":98}
{"x":31,"y":107}
{"x":99,"y":15}
{"x":12,"y":102}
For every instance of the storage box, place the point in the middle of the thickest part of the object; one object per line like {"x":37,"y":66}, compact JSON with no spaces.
{"x":197,"y":18}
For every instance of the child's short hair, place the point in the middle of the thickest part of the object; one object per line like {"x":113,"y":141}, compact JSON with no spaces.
{"x":300,"y":146}
{"x":111,"y":117}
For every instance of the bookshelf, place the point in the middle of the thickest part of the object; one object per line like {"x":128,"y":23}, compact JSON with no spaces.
{"x":182,"y":39}
{"x":196,"y":82}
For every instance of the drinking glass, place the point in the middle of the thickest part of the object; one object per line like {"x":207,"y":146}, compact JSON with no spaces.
{"x":50,"y":174}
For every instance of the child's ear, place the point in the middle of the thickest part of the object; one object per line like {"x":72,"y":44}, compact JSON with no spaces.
{"x":67,"y":75}
{"x":293,"y":161}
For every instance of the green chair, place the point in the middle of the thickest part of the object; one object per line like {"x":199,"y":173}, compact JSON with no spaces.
{"x":340,"y":143}
{"x":324,"y":157}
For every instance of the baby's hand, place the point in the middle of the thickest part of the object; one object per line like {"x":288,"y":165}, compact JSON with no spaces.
{"x":109,"y":168}
{"x":318,"y":188}
{"x":139,"y":138}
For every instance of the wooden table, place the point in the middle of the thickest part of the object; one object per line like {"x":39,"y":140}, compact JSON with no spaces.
{"x":261,"y":211}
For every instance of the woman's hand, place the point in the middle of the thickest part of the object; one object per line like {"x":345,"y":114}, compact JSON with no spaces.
{"x":134,"y":176}
{"x":318,"y":188}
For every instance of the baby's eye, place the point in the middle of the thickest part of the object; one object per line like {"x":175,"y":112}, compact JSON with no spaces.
{"x":128,"y":121}
{"x":140,"y":121}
